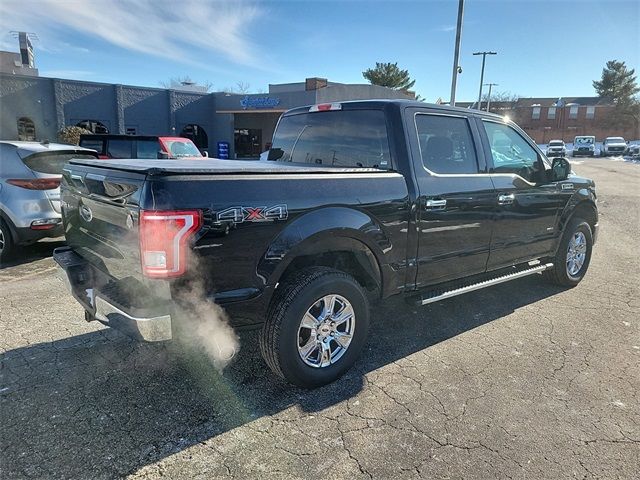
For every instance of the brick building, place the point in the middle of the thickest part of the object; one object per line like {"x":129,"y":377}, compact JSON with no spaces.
{"x":546,"y":119}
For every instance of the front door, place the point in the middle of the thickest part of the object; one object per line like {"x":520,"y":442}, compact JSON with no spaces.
{"x":456,"y":197}
{"x":527,"y":204}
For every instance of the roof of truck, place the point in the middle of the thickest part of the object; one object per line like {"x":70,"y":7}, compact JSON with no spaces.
{"x":400,"y":103}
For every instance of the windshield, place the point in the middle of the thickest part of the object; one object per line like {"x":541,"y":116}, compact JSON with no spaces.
{"x":52,"y":162}
{"x":584,"y":140}
{"x":182,"y":148}
{"x":356,"y":138}
{"x":556,"y":144}
{"x":615,"y":140}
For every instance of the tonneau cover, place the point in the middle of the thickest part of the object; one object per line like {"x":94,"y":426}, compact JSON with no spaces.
{"x":214,"y":165}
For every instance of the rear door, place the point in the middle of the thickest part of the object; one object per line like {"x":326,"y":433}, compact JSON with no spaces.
{"x":456,"y":196}
{"x":527,"y":204}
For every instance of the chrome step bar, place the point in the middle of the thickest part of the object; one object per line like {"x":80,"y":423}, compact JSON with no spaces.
{"x":486,"y":283}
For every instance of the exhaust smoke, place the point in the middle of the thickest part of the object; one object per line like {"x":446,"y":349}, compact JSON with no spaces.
{"x":201,"y":324}
{"x":204,"y":326}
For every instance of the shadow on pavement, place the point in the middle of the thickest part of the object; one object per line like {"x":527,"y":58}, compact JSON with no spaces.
{"x":25,"y":254}
{"x":101,"y":405}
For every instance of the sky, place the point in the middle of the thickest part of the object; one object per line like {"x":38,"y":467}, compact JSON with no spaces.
{"x":545,"y":48}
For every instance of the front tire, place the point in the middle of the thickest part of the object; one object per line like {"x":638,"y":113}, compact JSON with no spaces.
{"x":316,"y":327}
{"x":574,"y":254}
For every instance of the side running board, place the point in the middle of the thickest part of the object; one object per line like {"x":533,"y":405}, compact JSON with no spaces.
{"x":437,"y":296}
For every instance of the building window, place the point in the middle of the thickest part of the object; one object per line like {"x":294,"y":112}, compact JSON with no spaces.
{"x":551,"y":114}
{"x":197,"y":134}
{"x":94,"y":126}
{"x":26,"y":129}
{"x":573,"y":112}
{"x":535,"y":113}
{"x":591,"y":111}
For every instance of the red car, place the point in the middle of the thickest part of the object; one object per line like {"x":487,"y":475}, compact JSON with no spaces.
{"x":139,"y":146}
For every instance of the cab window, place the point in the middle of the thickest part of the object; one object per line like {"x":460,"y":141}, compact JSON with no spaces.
{"x":344,"y":138}
{"x":510,"y":152}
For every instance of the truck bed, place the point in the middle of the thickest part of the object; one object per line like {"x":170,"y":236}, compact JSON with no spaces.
{"x":215,"y":166}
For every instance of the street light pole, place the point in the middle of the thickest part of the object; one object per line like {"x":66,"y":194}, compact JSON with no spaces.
{"x":489,"y":99}
{"x":484,"y":57}
{"x":456,"y":54}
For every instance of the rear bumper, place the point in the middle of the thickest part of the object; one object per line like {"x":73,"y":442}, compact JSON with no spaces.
{"x":106,"y":302}
{"x":29,"y":235}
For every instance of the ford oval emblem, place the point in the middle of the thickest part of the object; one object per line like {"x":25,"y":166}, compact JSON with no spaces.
{"x":86,"y":213}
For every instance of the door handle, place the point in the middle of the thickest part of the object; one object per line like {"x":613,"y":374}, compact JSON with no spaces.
{"x":436,"y":204}
{"x":506,"y":198}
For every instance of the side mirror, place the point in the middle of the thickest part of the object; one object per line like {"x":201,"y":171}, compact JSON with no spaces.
{"x":275,"y":154}
{"x":163,"y":155}
{"x":560,"y":169}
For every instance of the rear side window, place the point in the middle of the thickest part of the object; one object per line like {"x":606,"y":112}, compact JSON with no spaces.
{"x":51,"y":162}
{"x":147,"y":148}
{"x":119,"y":148}
{"x":351,"y":138}
{"x":446,"y":145}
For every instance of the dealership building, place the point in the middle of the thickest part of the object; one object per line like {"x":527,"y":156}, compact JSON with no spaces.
{"x":36,"y":108}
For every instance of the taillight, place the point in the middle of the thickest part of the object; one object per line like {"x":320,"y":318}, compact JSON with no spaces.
{"x":164,"y":237}
{"x":35,"y":183}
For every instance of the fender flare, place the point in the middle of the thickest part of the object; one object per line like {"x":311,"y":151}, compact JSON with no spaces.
{"x":329,"y":229}
{"x":581,"y":201}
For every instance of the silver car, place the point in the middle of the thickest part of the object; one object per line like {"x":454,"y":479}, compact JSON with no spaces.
{"x":30,"y":174}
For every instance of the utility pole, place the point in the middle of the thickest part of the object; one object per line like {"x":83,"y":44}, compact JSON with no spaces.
{"x":489,"y":98}
{"x":456,"y":54}
{"x":484,"y":57}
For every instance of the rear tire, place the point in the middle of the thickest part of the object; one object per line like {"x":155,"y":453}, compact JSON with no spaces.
{"x":304,"y":333}
{"x":6,"y":242}
{"x":572,"y":259}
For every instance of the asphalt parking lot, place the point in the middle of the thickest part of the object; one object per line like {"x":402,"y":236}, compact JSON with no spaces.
{"x":522,"y":380}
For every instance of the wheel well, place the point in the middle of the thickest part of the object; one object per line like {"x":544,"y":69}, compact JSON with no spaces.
{"x":359,"y":265}
{"x":587,"y":212}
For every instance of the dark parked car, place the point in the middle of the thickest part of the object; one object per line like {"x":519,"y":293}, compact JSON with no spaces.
{"x":358,"y":201}
{"x":139,"y":146}
{"x":30,"y":175}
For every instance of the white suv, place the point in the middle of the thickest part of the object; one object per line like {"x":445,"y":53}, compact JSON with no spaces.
{"x":556,"y":148}
{"x":613,"y":146}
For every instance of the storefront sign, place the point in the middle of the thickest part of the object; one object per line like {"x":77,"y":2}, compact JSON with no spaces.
{"x":259,"y":102}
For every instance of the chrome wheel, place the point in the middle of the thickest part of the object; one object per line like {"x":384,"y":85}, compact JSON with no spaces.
{"x":326,"y":331}
{"x":1,"y":240}
{"x":576,"y":253}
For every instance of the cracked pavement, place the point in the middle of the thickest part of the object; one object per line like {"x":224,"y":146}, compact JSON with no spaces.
{"x":521,"y":380}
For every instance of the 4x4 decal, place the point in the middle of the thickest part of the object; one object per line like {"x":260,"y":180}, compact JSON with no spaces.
{"x":253,"y":214}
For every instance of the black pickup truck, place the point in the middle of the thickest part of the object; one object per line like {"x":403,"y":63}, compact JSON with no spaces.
{"x":358,"y":201}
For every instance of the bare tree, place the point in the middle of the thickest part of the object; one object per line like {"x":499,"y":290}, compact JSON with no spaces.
{"x":186,"y":84}
{"x":241,"y":88}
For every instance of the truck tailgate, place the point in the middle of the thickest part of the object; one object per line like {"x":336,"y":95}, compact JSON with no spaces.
{"x":101,"y":211}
